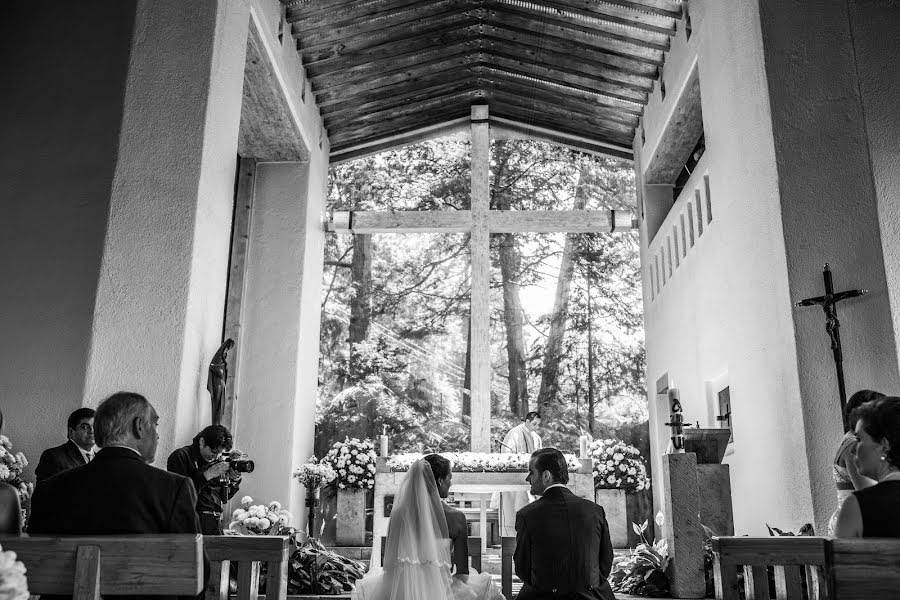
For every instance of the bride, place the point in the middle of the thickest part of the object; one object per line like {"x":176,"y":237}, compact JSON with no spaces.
{"x":417,"y":556}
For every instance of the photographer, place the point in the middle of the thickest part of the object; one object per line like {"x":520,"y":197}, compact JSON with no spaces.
{"x":213,"y":476}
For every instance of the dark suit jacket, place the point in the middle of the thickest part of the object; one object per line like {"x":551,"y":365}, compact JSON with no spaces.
{"x":563,"y":548}
{"x":117,"y":493}
{"x":58,"y":459}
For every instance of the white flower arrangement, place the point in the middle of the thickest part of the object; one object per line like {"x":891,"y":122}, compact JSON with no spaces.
{"x":477,"y":462}
{"x":11,"y":467}
{"x":314,"y":474}
{"x":13,"y":583}
{"x":260,"y":519}
{"x":353,"y":461}
{"x":618,"y":465}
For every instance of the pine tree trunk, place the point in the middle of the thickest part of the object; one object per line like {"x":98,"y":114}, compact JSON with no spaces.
{"x":553,"y":350}
{"x":510,"y":266}
{"x":361,"y":281}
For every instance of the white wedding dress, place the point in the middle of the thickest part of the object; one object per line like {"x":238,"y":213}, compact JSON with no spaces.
{"x":417,"y":562}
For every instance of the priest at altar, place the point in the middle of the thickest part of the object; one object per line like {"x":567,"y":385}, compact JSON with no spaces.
{"x":521,"y":439}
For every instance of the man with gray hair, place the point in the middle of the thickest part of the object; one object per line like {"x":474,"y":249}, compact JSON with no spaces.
{"x":117,"y":493}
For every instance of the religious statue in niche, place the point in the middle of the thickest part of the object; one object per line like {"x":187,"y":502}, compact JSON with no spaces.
{"x":218,"y":377}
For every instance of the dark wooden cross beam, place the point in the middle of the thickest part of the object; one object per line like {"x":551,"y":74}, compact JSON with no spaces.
{"x":828,"y":302}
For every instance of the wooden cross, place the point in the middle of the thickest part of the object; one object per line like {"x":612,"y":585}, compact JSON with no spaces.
{"x":828,"y":302}
{"x":480,"y":221}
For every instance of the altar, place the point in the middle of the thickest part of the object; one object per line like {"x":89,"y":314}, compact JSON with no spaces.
{"x":481,"y":483}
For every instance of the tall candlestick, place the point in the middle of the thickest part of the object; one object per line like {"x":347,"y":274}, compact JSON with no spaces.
{"x":384,"y":444}
{"x":582,"y":447}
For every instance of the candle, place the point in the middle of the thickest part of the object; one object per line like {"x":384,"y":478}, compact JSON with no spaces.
{"x":583,"y":447}
{"x":384,"y":444}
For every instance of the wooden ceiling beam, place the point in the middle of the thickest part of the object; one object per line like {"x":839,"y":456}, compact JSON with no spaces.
{"x":553,"y":87}
{"x":399,"y":49}
{"x":418,"y":107}
{"x":524,"y":94}
{"x":415,"y":60}
{"x":574,"y":125}
{"x":542,"y":107}
{"x":570,"y":63}
{"x":627,"y":65}
{"x":386,"y":24}
{"x":346,"y":152}
{"x":561,"y":77}
{"x":353,"y":45}
{"x":350,"y":108}
{"x":663,"y":8}
{"x":582,"y":36}
{"x":508,"y":129}
{"x":570,"y":20}
{"x":391,"y":126}
{"x":328,"y":99}
{"x":616,"y":13}
{"x":312,"y":12}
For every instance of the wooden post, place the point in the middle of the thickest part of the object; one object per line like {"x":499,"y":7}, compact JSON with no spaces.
{"x":481,"y":280}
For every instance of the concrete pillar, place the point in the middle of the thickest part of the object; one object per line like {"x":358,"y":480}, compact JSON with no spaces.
{"x":276,"y":396}
{"x":160,"y":298}
{"x":61,"y":111}
{"x":876,"y":47}
{"x":829,"y":213}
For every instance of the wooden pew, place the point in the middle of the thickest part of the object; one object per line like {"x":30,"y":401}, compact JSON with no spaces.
{"x":247,"y":553}
{"x":794,"y":559}
{"x":474,"y":552}
{"x":507,"y":550}
{"x":863,"y":569}
{"x":88,"y":567}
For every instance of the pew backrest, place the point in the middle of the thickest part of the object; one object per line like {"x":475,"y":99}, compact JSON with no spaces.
{"x":796,"y":562}
{"x":88,"y":567}
{"x":507,"y":552}
{"x":246,"y":553}
{"x":863,"y":569}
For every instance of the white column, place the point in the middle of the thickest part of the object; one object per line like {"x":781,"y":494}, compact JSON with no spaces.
{"x":481,"y":281}
{"x":160,"y":298}
{"x":276,"y":396}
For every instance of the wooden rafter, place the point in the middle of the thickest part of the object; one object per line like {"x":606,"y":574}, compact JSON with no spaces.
{"x":576,"y":72}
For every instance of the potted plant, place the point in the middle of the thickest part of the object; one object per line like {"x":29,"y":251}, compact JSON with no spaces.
{"x":313,"y":475}
{"x":353,"y":462}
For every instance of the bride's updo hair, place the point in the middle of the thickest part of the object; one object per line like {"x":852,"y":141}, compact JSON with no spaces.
{"x":440,"y":466}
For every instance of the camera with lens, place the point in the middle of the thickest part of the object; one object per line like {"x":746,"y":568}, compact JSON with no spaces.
{"x":241,"y":464}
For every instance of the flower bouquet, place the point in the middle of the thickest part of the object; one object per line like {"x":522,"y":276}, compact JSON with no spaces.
{"x":313,"y":569}
{"x":618,"y":465}
{"x":353,"y":461}
{"x":11,"y":467}
{"x":314,"y":474}
{"x":13,"y":584}
{"x":477,"y":462}
{"x":260,"y":519}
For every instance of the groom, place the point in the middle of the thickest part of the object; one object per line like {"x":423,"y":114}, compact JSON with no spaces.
{"x":563,"y":550}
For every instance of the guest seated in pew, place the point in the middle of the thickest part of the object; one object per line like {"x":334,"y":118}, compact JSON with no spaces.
{"x":78,"y":449}
{"x":875,"y":511}
{"x":10,"y":511}
{"x":843,"y":470}
{"x":118,"y":492}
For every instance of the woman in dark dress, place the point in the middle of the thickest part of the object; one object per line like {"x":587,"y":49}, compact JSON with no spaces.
{"x":875,"y":511}
{"x":10,"y":511}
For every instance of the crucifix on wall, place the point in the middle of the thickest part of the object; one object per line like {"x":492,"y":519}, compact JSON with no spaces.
{"x":480,"y":222}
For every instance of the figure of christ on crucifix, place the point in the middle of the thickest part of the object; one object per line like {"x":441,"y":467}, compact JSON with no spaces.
{"x":828,"y":302}
{"x":480,"y":222}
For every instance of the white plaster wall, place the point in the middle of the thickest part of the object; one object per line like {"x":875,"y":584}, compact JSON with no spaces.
{"x":278,"y":373}
{"x":160,"y":300}
{"x":727,"y":306}
{"x":60,"y":112}
{"x":877,"y":46}
{"x":829,"y":214}
{"x":275,"y":403}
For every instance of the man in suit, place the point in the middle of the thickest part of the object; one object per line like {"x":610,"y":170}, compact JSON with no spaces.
{"x":563,"y":549}
{"x":117,"y":493}
{"x":78,"y":449}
